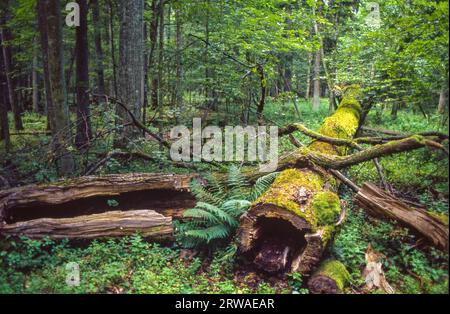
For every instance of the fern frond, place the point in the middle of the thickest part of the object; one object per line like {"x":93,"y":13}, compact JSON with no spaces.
{"x":202,"y":194}
{"x":235,"y":208}
{"x":209,"y":234}
{"x":236,"y":183}
{"x":262,"y":185}
{"x":223,"y":216}
{"x":216,"y":187}
{"x":201,"y":214}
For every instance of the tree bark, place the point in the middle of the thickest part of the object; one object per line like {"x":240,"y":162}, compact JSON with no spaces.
{"x":299,"y":211}
{"x":112,"y":45}
{"x":378,"y":203}
{"x":4,"y":124}
{"x":35,"y":85}
{"x":148,"y":223}
{"x":131,"y":66}
{"x":179,"y":64}
{"x":316,"y":81}
{"x":61,"y":123}
{"x":443,"y":100}
{"x":84,"y":133}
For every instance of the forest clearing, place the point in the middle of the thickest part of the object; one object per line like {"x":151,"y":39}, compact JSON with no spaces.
{"x":224,"y":147}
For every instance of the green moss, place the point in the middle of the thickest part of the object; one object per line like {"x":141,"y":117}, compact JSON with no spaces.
{"x":336,"y":271}
{"x":326,"y":207}
{"x":441,"y":217}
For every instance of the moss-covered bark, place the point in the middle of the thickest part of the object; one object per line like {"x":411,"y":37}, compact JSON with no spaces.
{"x":308,"y":193}
{"x":330,"y":278}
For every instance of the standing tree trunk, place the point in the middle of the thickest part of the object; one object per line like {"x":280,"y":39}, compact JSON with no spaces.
{"x":153,"y":42}
{"x":443,"y":100}
{"x":43,"y":32}
{"x":35,"y":84}
{"x":131,"y":65}
{"x":112,"y":46}
{"x":7,"y":59}
{"x":289,"y":226}
{"x":316,"y":91}
{"x":98,"y":47}
{"x":308,"y":77}
{"x":4,"y":125}
{"x":60,"y":116}
{"x":179,"y":63}
{"x":84,"y":132}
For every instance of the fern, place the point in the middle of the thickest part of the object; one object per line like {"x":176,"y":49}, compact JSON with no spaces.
{"x":215,"y":217}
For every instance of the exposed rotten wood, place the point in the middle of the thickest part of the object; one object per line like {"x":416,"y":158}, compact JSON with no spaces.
{"x":148,"y":223}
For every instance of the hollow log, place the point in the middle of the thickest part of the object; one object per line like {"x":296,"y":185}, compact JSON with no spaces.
{"x":330,"y":278}
{"x":289,"y":226}
{"x":380,"y":204}
{"x":148,"y":223}
{"x":167,"y":194}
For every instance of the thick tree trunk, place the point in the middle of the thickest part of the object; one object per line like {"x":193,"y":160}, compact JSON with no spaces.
{"x":148,"y":223}
{"x":84,"y":132}
{"x":61,"y":123}
{"x":378,"y":203}
{"x":112,"y":46}
{"x":443,"y":100}
{"x":101,"y":89}
{"x":167,"y":194}
{"x":153,"y":42}
{"x":288,"y":227}
{"x":131,"y":66}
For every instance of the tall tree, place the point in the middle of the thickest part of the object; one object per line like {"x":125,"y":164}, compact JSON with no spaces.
{"x":316,"y":81}
{"x":57,"y":87}
{"x":5,"y":36}
{"x":179,"y":62}
{"x":98,"y":46}
{"x":4,"y":125}
{"x":84,"y":132}
{"x":131,"y":66}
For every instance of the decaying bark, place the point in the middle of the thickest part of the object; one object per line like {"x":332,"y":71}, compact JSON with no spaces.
{"x":330,"y":278}
{"x":288,"y":227}
{"x":166,"y":194}
{"x":378,"y":203}
{"x":148,"y":223}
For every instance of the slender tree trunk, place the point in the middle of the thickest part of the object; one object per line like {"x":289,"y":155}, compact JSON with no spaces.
{"x":308,"y":77}
{"x":131,"y":66}
{"x":443,"y":100}
{"x":161,"y":54}
{"x":4,"y":125}
{"x":84,"y":132}
{"x":316,"y":92}
{"x":43,"y":32}
{"x":112,"y":45}
{"x":98,"y":47}
{"x":153,"y":42}
{"x":35,"y":84}
{"x":7,"y":59}
{"x":179,"y":64}
{"x":61,"y":122}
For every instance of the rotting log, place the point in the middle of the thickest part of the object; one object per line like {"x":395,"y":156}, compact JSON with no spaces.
{"x":330,"y":278}
{"x":289,"y":226}
{"x":167,"y":194}
{"x":380,"y":204}
{"x":148,"y":223}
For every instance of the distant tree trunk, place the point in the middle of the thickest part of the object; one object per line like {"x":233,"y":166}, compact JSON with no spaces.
{"x":35,"y":84}
{"x":153,"y":42}
{"x":84,"y":132}
{"x":131,"y":66}
{"x":308,"y":77}
{"x":43,"y":32}
{"x":112,"y":46}
{"x":161,"y":54}
{"x":443,"y":100}
{"x":316,"y":95}
{"x":61,"y":123}
{"x":4,"y":125}
{"x":394,"y":110}
{"x":98,"y":47}
{"x":7,"y":59}
{"x":179,"y":64}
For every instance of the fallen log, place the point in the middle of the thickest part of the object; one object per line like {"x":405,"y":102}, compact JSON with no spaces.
{"x":167,"y":194}
{"x":289,"y":226}
{"x":380,"y":204}
{"x":330,"y":278}
{"x":147,"y":223}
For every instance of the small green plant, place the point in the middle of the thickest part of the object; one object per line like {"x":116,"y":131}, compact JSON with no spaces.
{"x":215,"y":217}
{"x":112,"y":203}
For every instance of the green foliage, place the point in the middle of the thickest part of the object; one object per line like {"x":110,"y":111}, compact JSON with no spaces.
{"x":215,"y":217}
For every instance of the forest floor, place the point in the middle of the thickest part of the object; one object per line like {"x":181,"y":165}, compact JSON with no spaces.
{"x":132,"y":265}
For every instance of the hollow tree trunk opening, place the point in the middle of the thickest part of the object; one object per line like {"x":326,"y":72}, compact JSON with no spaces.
{"x":166,"y":202}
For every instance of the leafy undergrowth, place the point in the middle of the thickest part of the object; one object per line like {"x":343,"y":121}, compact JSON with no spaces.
{"x":128,"y":265}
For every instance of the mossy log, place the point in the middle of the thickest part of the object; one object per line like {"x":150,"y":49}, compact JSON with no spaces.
{"x":167,"y":194}
{"x":148,"y":223}
{"x":288,"y":227}
{"x":330,"y":278}
{"x":378,"y":203}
